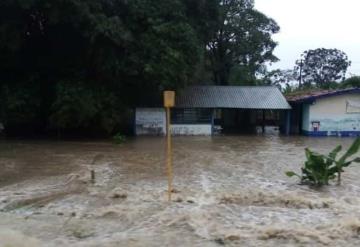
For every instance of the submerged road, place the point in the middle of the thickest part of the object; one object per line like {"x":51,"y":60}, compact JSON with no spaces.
{"x":228,"y":190}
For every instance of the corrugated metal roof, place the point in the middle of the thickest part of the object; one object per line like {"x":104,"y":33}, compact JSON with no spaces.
{"x":241,"y":97}
{"x":309,"y":96}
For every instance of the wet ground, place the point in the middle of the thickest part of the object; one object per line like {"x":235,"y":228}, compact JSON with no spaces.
{"x":228,"y":191}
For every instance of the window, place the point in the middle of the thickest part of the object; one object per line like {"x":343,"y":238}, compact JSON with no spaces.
{"x":352,"y":106}
{"x":191,"y":116}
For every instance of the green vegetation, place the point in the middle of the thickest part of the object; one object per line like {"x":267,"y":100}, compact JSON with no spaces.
{"x":320,"y":169}
{"x":292,"y":90}
{"x":322,"y":66}
{"x":316,"y":70}
{"x":82,"y":65}
{"x":241,"y":43}
{"x":353,"y":81}
{"x":119,"y":138}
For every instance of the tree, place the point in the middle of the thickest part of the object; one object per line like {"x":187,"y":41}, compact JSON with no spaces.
{"x":279,"y":77}
{"x":322,"y":66}
{"x":242,"y":39}
{"x":353,"y":81}
{"x":81,"y":62}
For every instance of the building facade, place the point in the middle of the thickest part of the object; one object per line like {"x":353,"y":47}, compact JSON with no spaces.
{"x":152,"y":121}
{"x":208,"y":110}
{"x":327,"y":113}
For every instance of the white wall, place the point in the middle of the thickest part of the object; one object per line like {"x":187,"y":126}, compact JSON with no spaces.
{"x":191,"y":129}
{"x":152,"y":121}
{"x":332,"y":114}
{"x":333,"y":105}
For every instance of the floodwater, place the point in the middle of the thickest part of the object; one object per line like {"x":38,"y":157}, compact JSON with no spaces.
{"x":229,"y":190}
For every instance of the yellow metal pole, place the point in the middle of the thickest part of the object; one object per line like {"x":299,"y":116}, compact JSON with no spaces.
{"x":169,"y":153}
{"x":169,"y":101}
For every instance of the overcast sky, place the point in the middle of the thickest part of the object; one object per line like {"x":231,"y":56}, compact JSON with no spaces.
{"x":311,"y":24}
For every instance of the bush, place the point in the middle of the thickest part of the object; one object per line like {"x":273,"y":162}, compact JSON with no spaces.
{"x":19,"y":104}
{"x":319,"y":169}
{"x":351,"y":82}
{"x":119,"y":138}
{"x":77,"y":105}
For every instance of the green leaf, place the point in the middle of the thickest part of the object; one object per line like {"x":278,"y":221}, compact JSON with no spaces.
{"x":333,"y":170}
{"x":346,"y":164}
{"x":291,"y":174}
{"x":334,"y":152}
{"x":354,"y":148}
{"x":356,"y":160}
{"x":308,"y":153}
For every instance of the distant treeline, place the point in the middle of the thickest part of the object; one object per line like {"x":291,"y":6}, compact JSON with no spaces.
{"x":80,"y":66}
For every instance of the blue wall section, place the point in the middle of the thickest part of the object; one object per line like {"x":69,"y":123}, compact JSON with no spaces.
{"x":332,"y":133}
{"x":332,"y":116}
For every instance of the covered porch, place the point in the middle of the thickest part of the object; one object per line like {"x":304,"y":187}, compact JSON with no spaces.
{"x":233,"y":109}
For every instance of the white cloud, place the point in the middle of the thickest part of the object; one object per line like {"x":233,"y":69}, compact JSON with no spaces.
{"x":310,"y":24}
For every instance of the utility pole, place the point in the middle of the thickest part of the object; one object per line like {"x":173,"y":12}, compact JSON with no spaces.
{"x":301,"y":66}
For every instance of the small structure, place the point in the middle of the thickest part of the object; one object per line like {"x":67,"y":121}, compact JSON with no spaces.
{"x":205,"y":110}
{"x":326,"y":113}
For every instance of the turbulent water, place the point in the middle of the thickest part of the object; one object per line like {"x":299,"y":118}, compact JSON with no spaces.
{"x":228,"y":191}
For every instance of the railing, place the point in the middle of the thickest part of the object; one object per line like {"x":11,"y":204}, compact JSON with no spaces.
{"x":191,"y":116}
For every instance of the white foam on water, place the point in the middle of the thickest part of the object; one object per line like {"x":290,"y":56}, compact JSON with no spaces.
{"x":230,"y":191}
{"x":11,"y":238}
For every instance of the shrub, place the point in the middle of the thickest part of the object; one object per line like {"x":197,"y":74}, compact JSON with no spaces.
{"x":319,"y":169}
{"x":119,"y":138}
{"x":77,"y":105}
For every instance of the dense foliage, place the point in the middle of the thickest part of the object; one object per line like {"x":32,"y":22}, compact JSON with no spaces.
{"x":278,"y":77}
{"x":242,"y":43}
{"x":317,"y":69}
{"x":351,"y":82}
{"x":84,"y":64}
{"x":319,"y":169}
{"x":294,"y":89}
{"x":322,"y":66}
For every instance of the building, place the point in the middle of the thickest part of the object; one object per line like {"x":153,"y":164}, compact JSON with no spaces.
{"x":207,"y":110}
{"x":326,"y":113}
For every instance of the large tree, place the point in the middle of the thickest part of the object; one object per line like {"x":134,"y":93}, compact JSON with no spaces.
{"x":242,"y":41}
{"x":76,"y":63}
{"x":322,"y":66}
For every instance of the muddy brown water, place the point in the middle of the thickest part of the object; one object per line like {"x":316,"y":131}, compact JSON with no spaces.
{"x":229,"y":190}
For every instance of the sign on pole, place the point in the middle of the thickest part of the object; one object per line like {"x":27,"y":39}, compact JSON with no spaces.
{"x":169,"y":101}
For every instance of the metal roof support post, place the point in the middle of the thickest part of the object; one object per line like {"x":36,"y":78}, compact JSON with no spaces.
{"x":212,"y":121}
{"x":288,"y":122}
{"x":263,"y":121}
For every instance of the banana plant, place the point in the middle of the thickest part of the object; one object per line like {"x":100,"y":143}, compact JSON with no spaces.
{"x":319,"y":169}
{"x":343,"y":162}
